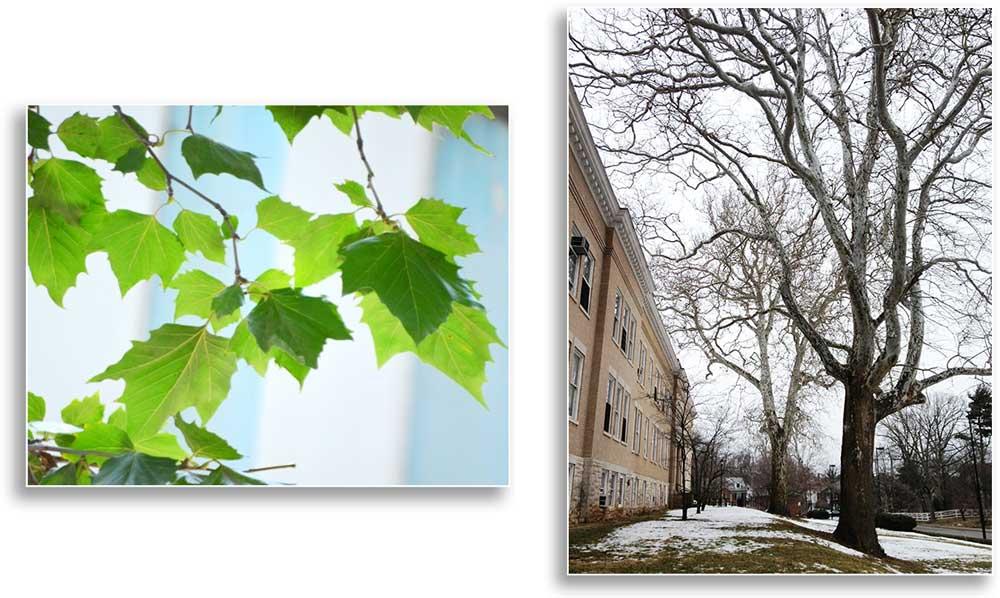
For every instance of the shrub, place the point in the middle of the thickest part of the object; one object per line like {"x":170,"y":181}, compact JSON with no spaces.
{"x":896,"y":522}
{"x":818,"y":514}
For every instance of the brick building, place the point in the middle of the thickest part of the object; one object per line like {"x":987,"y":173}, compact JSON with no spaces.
{"x":625,"y":381}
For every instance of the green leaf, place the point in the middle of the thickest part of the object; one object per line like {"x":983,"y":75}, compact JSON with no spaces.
{"x":459,"y":348}
{"x":206,"y":156}
{"x":436,"y":223}
{"x":136,"y":469}
{"x":228,"y":301}
{"x":298,"y":370}
{"x":196,"y":291}
{"x":57,"y":250}
{"x":36,"y":407}
{"x":296,"y":324}
{"x":132,"y":160}
{"x":118,"y":419}
{"x":292,"y":119}
{"x":118,"y":138}
{"x":204,"y":443}
{"x":178,"y":367}
{"x":80,"y":412}
{"x":316,"y":240}
{"x":341,"y":118}
{"x":245,"y":346}
{"x":355,"y":192}
{"x":317,"y":250}
{"x":68,"y":186}
{"x":138,"y":247}
{"x":151,"y":175}
{"x":39,"y":129}
{"x":106,"y":438}
{"x":224,"y":476}
{"x":200,"y":233}
{"x":161,"y":445}
{"x":282,"y":219}
{"x":453,"y":118}
{"x":229,"y":224}
{"x":70,"y":474}
{"x":418,"y":284}
{"x":80,"y":134}
{"x":268,"y":280}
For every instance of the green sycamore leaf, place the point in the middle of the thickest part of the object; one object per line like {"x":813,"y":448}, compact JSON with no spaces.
{"x":297,"y":324}
{"x":163,"y":444}
{"x":106,"y":438}
{"x":206,"y":156}
{"x":80,"y":412}
{"x":151,"y":175}
{"x":436,"y":223}
{"x":196,"y":292}
{"x":36,"y":407}
{"x":341,"y":118}
{"x":118,"y":138}
{"x":452,"y":118}
{"x":136,"y":469}
{"x":131,"y":161}
{"x":282,"y":219}
{"x":39,"y":129}
{"x":57,"y":250}
{"x":71,"y":474}
{"x":355,"y":192}
{"x":459,"y":348}
{"x":80,"y":134}
{"x":316,"y":240}
{"x":200,"y":233}
{"x":417,"y":283}
{"x":138,"y":247}
{"x":67,"y":186}
{"x":118,"y":418}
{"x":269,"y":279}
{"x":204,"y":443}
{"x":227,"y":302}
{"x":292,"y":119}
{"x":245,"y":346}
{"x":229,"y":225}
{"x":178,"y":367}
{"x":225,"y":476}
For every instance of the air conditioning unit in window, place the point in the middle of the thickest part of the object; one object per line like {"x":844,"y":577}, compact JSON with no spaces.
{"x":579,"y":246}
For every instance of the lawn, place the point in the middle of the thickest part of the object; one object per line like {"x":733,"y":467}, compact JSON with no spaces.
{"x":736,"y":540}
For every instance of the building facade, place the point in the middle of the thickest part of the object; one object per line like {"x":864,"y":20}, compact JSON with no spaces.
{"x":624,"y":378}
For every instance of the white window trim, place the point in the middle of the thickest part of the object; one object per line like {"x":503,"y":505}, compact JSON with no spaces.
{"x":574,"y":418}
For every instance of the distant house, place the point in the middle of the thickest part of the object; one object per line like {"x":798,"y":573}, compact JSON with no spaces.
{"x":735,"y":491}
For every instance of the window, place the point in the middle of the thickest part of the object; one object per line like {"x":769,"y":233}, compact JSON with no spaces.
{"x":575,"y":374}
{"x":621,"y":490}
{"x":636,"y":430}
{"x":655,"y":438}
{"x":603,"y":500}
{"x":642,"y":363}
{"x":607,"y":404}
{"x":626,"y":404}
{"x":611,"y":490}
{"x":586,"y":281}
{"x":645,"y":440}
{"x":574,"y":261}
{"x":645,"y":493}
{"x":618,"y":411}
{"x":618,"y":315}
{"x":623,"y":334}
{"x":630,"y":351}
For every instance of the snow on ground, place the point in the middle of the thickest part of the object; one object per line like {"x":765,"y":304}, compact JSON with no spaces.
{"x":734,"y":529}
{"x":912,"y":546}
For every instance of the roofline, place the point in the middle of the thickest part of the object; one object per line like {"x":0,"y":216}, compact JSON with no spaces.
{"x":617,"y":216}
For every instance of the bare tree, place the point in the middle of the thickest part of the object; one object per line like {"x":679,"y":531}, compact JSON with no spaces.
{"x":710,"y":448}
{"x":879,"y":121}
{"x":724,"y":300}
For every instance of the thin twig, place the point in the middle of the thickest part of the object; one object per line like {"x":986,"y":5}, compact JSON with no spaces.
{"x":190,"y":114}
{"x":268,"y":468}
{"x":368,"y":167}
{"x":44,"y":448}
{"x":170,"y":189}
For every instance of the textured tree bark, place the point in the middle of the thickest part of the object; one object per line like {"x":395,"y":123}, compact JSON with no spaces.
{"x":856,"y":526}
{"x":778,"y":498}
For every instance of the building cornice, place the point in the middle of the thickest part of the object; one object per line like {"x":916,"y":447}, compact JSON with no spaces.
{"x":585,"y":150}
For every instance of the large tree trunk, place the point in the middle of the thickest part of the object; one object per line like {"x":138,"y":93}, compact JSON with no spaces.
{"x":778,"y":499}
{"x":856,"y":527}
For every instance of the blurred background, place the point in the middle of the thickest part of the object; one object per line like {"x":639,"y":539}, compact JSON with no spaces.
{"x":351,"y":423}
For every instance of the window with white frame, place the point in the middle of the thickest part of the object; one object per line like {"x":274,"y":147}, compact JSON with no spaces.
{"x":575,"y":375}
{"x":636,"y":429}
{"x":645,"y":437}
{"x":626,"y":405}
{"x":608,"y":401}
{"x":569,"y":484}
{"x":619,"y":397}
{"x":642,"y":363}
{"x":618,"y":316}
{"x":603,"y":492}
{"x":586,"y":281}
{"x":623,"y":336}
{"x":655,"y":433}
{"x":631,"y":340}
{"x":574,"y":263}
{"x":621,"y":490}
{"x":611,"y":490}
